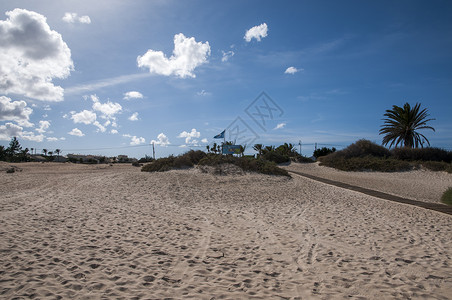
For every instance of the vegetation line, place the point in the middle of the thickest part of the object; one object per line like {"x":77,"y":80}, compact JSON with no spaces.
{"x":432,"y":206}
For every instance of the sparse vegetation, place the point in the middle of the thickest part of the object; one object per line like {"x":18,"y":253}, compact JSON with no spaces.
{"x":192,"y":158}
{"x":364,"y":155}
{"x":447,"y":197}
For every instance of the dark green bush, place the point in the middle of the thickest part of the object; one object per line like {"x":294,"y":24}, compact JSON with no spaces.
{"x":422,"y":154}
{"x":362,"y":148}
{"x":188,"y":159}
{"x":437,"y":166}
{"x":276,"y":157}
{"x":323,"y":151}
{"x":367,"y":163}
{"x":247,"y":164}
{"x":301,"y":159}
{"x":159,"y":165}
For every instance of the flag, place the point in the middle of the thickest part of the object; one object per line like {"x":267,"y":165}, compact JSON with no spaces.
{"x":220,"y":136}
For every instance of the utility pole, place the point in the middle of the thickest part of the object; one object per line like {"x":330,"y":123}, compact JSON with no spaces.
{"x":153,"y":151}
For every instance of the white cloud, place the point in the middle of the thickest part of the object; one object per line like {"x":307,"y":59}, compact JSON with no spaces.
{"x":280,"y":126}
{"x":190,"y":137}
{"x":227,"y":55}
{"x":133,"y":95}
{"x":10,"y":130}
{"x":108,"y":109}
{"x":113,"y":131}
{"x":187,"y":55}
{"x":137,"y":140}
{"x":162,"y":140}
{"x":291,"y":70}
{"x":256,"y":32}
{"x":204,"y":140}
{"x":52,"y":139}
{"x":134,"y":117}
{"x":85,"y":117}
{"x":43,"y":126}
{"x":84,"y":20}
{"x":76,"y":132}
{"x":73,"y":18}
{"x":203,"y":93}
{"x":100,"y":127}
{"x":31,"y":55}
{"x":15,"y":111}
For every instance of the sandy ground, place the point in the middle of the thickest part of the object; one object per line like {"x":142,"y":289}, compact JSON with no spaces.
{"x":89,"y":232}
{"x":421,"y":185}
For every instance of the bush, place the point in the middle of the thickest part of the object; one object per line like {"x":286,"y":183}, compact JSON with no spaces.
{"x":276,"y":157}
{"x":11,"y":170}
{"x":136,"y":164}
{"x":422,"y":154}
{"x":323,"y":151}
{"x":437,"y":166}
{"x":188,"y":159}
{"x":362,"y":148}
{"x":302,"y":159}
{"x":367,"y":163}
{"x":447,"y":197}
{"x":247,"y":164}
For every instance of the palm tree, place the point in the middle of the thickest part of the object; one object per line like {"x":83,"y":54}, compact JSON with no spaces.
{"x":208,"y":148}
{"x":258,"y":148}
{"x":401,"y":126}
{"x":242,"y":150}
{"x":45,"y":151}
{"x":58,"y":151}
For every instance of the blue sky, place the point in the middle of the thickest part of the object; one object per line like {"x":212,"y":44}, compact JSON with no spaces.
{"x":104,"y":77}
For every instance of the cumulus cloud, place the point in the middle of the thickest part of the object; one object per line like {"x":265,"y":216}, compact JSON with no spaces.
{"x":113,"y":131}
{"x":54,"y":139}
{"x":187,"y":55}
{"x":256,"y":32}
{"x":74,"y":18}
{"x":16,"y":111}
{"x":204,"y":140}
{"x":291,"y":70}
{"x":280,"y":126}
{"x":162,"y":140}
{"x":134,"y":117}
{"x":10,"y":130}
{"x":227,"y":55}
{"x":190,"y":137}
{"x":137,"y":140}
{"x":85,"y":117}
{"x":99,"y":126}
{"x":43,"y":126}
{"x":76,"y":132}
{"x":133,"y":95}
{"x":31,"y":56}
{"x":108,"y":109}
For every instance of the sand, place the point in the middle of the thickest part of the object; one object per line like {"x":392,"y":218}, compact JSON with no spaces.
{"x":92,"y":231}
{"x":421,"y":185}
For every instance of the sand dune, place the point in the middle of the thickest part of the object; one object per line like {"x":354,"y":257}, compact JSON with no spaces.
{"x":87,"y":232}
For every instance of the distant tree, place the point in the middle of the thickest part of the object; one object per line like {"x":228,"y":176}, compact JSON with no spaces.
{"x":2,"y":153}
{"x":259,"y":148}
{"x":45,"y":152}
{"x":214,"y":148}
{"x":50,"y":153}
{"x":31,"y":149}
{"x":14,"y":147}
{"x":401,"y":125}
{"x":268,"y":149}
{"x":58,"y":151}
{"x":208,"y":148}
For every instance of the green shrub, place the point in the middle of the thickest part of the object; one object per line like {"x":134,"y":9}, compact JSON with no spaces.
{"x":11,"y":170}
{"x":447,"y":197}
{"x":188,"y":159}
{"x":323,"y":151}
{"x":247,"y":164}
{"x":422,"y":154}
{"x":276,"y":157}
{"x":437,"y":166}
{"x":302,"y":159}
{"x":362,"y":148}
{"x":367,"y":163}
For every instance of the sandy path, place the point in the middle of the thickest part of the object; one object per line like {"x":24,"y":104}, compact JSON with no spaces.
{"x":116,"y":232}
{"x":421,"y":185}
